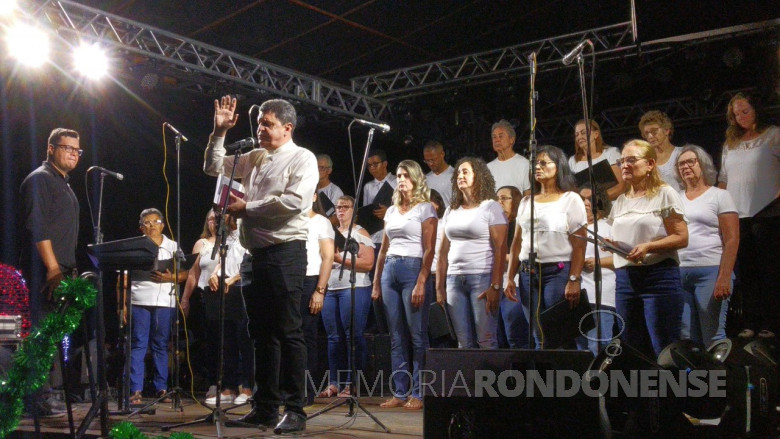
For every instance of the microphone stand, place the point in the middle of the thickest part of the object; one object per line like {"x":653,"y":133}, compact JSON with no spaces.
{"x":218,"y":416}
{"x":352,"y":248}
{"x":532,"y":157}
{"x":593,"y":198}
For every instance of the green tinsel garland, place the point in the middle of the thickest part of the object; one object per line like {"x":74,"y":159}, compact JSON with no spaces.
{"x":126,"y":430}
{"x":35,"y":356}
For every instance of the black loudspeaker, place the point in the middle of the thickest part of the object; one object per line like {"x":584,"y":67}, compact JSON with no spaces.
{"x":475,"y":393}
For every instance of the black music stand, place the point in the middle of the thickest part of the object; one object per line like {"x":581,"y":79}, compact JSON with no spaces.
{"x":138,"y":253}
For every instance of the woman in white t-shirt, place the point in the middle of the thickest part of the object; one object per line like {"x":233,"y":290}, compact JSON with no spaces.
{"x":471,"y":255}
{"x":337,"y":308}
{"x":402,"y":280}
{"x":559,"y":214}
{"x":599,"y":152}
{"x":707,"y":264}
{"x":649,"y":224}
{"x":319,"y":262}
{"x":750,"y":172}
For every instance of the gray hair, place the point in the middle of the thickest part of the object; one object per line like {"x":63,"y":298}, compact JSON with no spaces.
{"x":283,"y":110}
{"x":326,"y":158}
{"x":708,"y":171}
{"x":147,"y":212}
{"x":503,"y":123}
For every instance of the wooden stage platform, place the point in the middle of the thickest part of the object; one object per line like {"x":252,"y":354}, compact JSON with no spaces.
{"x":333,"y":424}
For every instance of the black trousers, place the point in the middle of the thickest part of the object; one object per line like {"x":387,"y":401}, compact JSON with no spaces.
{"x":273,"y":303}
{"x":757,"y":274}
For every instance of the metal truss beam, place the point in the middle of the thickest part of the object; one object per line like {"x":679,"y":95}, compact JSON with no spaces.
{"x":684,"y":111}
{"x":204,"y":64}
{"x":492,"y":64}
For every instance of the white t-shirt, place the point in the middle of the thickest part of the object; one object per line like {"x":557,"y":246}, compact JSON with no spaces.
{"x":608,"y":278}
{"x":638,"y":220}
{"x":751,"y":171}
{"x":468,"y":231}
{"x":442,"y":183}
{"x":370,"y":190}
{"x":405,"y":230}
{"x":668,"y":170}
{"x":554,"y":221}
{"x":149,"y":293}
{"x":439,"y":235}
{"x":511,"y":172}
{"x":610,"y":154}
{"x":704,"y":241}
{"x":234,"y":256}
{"x":361,"y":279}
{"x":319,"y":228}
{"x":206,"y":264}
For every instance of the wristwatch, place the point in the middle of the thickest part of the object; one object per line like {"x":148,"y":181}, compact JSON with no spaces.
{"x":496,"y":287}
{"x":320,"y":290}
{"x":573,"y":278}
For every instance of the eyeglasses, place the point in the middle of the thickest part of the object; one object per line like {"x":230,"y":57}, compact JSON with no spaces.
{"x":71,"y":149}
{"x":689,"y":163}
{"x":502,"y":199}
{"x":323,"y":168}
{"x":650,"y":132}
{"x":342,"y":207}
{"x":543,"y":163}
{"x":149,"y":223}
{"x":374,"y":165}
{"x":631,"y":161}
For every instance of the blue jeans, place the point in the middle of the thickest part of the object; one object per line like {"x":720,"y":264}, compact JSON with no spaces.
{"x":336,"y":318}
{"x":408,"y":324}
{"x":704,"y":318}
{"x":151,"y":327}
{"x":591,"y":340}
{"x":649,"y":298}
{"x":515,"y":322}
{"x":474,"y":326}
{"x":554,"y":279}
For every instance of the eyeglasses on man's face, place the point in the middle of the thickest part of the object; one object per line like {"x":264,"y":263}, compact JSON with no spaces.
{"x":150,"y":223}
{"x":71,"y":149}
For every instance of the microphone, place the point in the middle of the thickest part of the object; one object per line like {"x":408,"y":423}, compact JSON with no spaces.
{"x":102,"y":170}
{"x":175,"y":131}
{"x":249,"y":142}
{"x":383,"y":127}
{"x":571,"y":56}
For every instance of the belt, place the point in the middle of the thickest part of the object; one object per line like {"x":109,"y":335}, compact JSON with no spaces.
{"x":525,"y":267}
{"x":261,"y":251}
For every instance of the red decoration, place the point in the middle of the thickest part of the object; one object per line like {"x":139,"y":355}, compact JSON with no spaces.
{"x":14,"y":296}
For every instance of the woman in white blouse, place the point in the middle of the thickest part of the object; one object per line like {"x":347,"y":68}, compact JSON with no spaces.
{"x":402,"y":280}
{"x":649,"y":224}
{"x":471,"y":255}
{"x":707,"y":264}
{"x":599,"y":153}
{"x":750,"y":172}
{"x":559,"y":215}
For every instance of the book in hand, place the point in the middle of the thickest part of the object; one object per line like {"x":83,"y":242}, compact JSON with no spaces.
{"x":365,"y":214}
{"x":612,"y":247}
{"x":327,"y":205}
{"x":561,"y":324}
{"x":221,"y":191}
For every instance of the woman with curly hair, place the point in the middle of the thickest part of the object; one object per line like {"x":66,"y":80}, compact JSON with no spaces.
{"x":750,"y":172}
{"x":559,"y":215}
{"x":402,"y":280}
{"x":471,"y":255}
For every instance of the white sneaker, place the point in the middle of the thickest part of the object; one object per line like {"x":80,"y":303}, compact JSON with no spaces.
{"x":224,"y":399}
{"x":242,"y":398}
{"x":212,"y":391}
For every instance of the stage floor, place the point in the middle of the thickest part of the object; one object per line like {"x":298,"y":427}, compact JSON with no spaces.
{"x":333,"y":424}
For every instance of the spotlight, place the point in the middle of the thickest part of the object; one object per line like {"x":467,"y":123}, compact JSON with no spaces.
{"x":7,"y":7}
{"x":91,"y":60}
{"x":690,"y":356}
{"x":28,"y":44}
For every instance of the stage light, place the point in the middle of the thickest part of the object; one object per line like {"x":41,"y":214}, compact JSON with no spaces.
{"x":28,"y":44}
{"x":91,"y":60}
{"x":690,"y":356}
{"x":7,"y":7}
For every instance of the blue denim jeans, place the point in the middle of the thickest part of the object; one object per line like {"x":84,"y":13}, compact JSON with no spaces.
{"x":336,"y":318}
{"x":704,"y":318}
{"x":474,"y":326}
{"x":515,"y":322}
{"x":650,"y":300}
{"x":554,"y":279}
{"x":590,"y":341}
{"x":408,"y":325}
{"x":151,"y":327}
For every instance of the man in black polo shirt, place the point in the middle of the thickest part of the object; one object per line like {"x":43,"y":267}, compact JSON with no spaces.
{"x":51,"y":225}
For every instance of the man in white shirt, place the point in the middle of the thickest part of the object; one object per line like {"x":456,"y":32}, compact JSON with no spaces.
{"x":280,"y":179}
{"x":509,"y":168}
{"x":440,"y":177}
{"x":326,"y":187}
